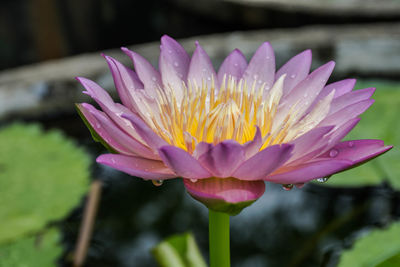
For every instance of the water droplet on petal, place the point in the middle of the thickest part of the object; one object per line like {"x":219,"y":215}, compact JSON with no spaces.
{"x":235,"y":65}
{"x":113,"y":160}
{"x":350,"y":144}
{"x":267,"y":57}
{"x":176,"y":64}
{"x":300,"y":185}
{"x":98,"y":126}
{"x":293,"y":76}
{"x":322,"y":180}
{"x":208,"y":78}
{"x":287,"y":187}
{"x":157,"y":182}
{"x":193,"y":180}
{"x":153,"y":78}
{"x":333,"y":153}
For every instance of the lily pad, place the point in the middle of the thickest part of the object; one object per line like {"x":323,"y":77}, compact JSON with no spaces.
{"x":42,"y":177}
{"x":179,"y":251}
{"x":381,"y":121}
{"x":41,"y":250}
{"x":380,"y":247}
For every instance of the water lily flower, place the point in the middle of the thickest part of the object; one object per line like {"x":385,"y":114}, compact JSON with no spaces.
{"x":225,"y":133}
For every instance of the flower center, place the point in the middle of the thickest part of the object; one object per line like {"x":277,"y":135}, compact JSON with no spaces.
{"x":208,"y":115}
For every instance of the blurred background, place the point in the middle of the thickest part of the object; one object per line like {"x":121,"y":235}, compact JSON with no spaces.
{"x":44,"y":44}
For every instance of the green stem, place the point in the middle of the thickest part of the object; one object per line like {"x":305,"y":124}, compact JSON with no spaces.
{"x":219,"y":239}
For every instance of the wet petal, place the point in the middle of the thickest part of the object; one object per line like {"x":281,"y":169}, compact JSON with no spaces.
{"x":174,"y":65}
{"x":296,"y":70}
{"x":148,"y":135}
{"x":234,"y":65}
{"x":135,"y":166}
{"x":113,"y":110}
{"x":222,"y":159}
{"x":305,"y":172}
{"x":201,"y":69}
{"x":225,"y":195}
{"x":357,"y":151}
{"x":148,"y":75}
{"x":126,"y":81}
{"x":261,"y":68}
{"x":113,"y":135}
{"x":350,"y":98}
{"x":264,"y":162}
{"x":182,"y":163}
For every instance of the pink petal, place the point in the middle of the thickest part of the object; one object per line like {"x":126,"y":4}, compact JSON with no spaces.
{"x":125,"y":81}
{"x":307,"y":91}
{"x":201,"y":69}
{"x":340,"y":87}
{"x":350,"y":98}
{"x":222,"y":159}
{"x":264,"y":162}
{"x":113,"y":135}
{"x":173,"y":64}
{"x":253,"y":146}
{"x":296,"y":70}
{"x":114,"y":111}
{"x":182,"y":163}
{"x":234,"y":65}
{"x":146,"y":72}
{"x":135,"y":166}
{"x":222,"y":194}
{"x":201,"y":148}
{"x":357,"y":151}
{"x":305,"y":143}
{"x":326,"y":142}
{"x":307,"y":171}
{"x":148,"y":135}
{"x":261,"y":68}
{"x":347,"y":113}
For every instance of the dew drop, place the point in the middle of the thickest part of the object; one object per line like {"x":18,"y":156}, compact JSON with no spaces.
{"x":322,"y":180}
{"x":208,"y":78}
{"x":176,"y":64}
{"x":287,"y":187}
{"x":153,"y":78}
{"x":350,"y":144}
{"x":235,"y":65}
{"x":113,"y":160}
{"x":267,"y":57}
{"x":300,"y":185}
{"x":293,"y":76}
{"x":193,"y":180}
{"x":157,"y":182}
{"x":98,"y":126}
{"x":333,"y":153}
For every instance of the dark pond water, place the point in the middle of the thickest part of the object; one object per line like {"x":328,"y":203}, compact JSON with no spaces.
{"x":301,"y":227}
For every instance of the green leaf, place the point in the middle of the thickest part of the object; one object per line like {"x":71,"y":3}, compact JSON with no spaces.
{"x":36,"y":251}
{"x":179,"y":251}
{"x":378,"y":122}
{"x":380,"y":247}
{"x":42,"y":177}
